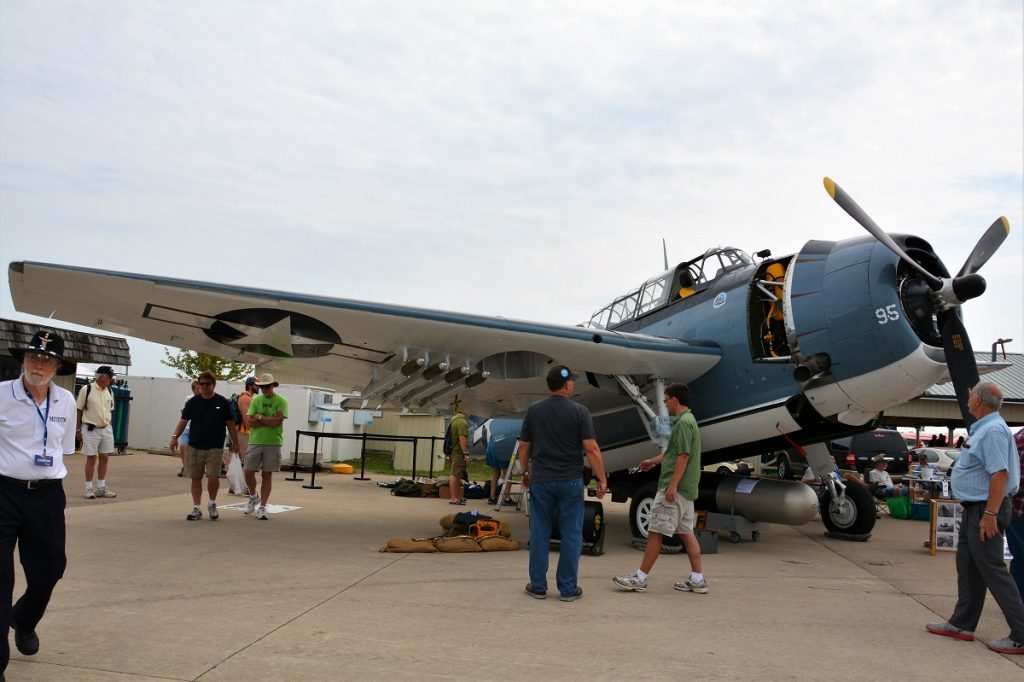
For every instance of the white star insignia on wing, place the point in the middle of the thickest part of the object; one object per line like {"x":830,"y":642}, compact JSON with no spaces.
{"x":278,"y":336}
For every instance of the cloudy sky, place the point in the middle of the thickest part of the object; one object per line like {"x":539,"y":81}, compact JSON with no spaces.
{"x":522,"y":159}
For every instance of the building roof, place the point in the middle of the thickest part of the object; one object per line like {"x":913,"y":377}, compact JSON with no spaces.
{"x":78,"y":346}
{"x":1010,"y":379}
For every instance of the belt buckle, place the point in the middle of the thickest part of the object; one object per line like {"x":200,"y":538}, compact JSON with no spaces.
{"x":34,"y":485}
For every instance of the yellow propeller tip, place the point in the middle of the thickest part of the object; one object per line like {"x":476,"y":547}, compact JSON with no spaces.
{"x":1006,"y":223}
{"x":830,"y":187}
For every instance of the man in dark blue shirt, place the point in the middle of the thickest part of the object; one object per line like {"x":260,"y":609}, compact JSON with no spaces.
{"x":557,"y":433}
{"x":208,"y":414}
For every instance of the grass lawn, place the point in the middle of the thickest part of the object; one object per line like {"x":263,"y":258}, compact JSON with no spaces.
{"x":379,"y":462}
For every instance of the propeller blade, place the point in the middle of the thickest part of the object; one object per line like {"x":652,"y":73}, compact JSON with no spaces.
{"x":857,"y":213}
{"x":960,"y":362}
{"x":993,"y":238}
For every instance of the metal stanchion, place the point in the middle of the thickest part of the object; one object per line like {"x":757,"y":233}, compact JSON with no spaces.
{"x":362,"y":462}
{"x":312,"y":478}
{"x":295,"y":461}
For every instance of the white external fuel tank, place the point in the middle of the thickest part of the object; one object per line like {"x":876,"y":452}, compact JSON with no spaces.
{"x":757,"y":499}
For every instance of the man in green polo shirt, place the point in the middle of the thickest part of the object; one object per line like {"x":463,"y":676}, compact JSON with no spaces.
{"x":267,"y":413}
{"x":672,"y":512}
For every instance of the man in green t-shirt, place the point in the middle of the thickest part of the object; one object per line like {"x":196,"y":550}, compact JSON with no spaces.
{"x":267,"y":413}
{"x":672,"y":512}
{"x":460,"y":453}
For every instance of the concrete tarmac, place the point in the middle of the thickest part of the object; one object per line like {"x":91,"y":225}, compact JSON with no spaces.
{"x":306,"y":596}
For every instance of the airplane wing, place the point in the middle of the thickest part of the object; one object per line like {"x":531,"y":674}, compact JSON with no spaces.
{"x":397,"y":355}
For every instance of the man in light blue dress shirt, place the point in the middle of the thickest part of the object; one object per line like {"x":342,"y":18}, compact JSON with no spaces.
{"x":985,"y":473}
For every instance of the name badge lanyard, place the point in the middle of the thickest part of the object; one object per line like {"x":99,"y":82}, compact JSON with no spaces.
{"x":45,"y":418}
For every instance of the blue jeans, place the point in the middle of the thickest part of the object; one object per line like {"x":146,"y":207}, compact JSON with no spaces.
{"x":560,"y":501}
{"x":1015,"y":539}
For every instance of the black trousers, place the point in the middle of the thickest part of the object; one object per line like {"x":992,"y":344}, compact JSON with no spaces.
{"x":979,"y":567}
{"x":34,"y":520}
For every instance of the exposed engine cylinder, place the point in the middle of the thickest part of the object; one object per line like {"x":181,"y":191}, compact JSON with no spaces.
{"x":757,"y":499}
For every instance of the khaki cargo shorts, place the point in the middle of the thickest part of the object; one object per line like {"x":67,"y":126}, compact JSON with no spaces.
{"x":672,"y":518}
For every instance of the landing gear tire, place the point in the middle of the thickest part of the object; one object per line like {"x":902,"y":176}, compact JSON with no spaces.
{"x":725,"y":471}
{"x":640,"y":516}
{"x":853,"y":514}
{"x":785,"y":468}
{"x":734,"y":537}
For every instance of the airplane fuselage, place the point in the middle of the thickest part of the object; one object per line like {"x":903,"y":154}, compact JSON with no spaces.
{"x":840,"y":311}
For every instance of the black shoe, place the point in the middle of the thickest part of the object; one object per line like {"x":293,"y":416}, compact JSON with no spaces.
{"x":536,"y":594}
{"x":27,"y":642}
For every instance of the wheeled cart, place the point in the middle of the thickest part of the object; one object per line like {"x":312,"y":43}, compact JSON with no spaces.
{"x":735,"y":525}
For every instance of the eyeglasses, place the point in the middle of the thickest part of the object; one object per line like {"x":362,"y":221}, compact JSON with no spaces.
{"x":40,"y":358}
{"x":206,"y":383}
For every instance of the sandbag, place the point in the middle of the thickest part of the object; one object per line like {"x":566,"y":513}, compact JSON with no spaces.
{"x":408,"y":545}
{"x":447,"y":521}
{"x":460,"y":543}
{"x":496,"y":543}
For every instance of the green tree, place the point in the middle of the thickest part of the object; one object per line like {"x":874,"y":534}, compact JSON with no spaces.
{"x":190,"y":364}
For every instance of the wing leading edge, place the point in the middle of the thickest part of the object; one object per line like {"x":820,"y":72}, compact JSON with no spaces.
{"x":405,"y":356}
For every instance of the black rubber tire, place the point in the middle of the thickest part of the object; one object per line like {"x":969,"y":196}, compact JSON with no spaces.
{"x":725,"y":471}
{"x":785,"y":468}
{"x":856,"y":516}
{"x":640,"y":514}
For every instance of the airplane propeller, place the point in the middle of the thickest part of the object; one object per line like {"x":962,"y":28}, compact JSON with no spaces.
{"x":948,"y":293}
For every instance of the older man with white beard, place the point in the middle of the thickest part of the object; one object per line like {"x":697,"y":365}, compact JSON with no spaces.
{"x":37,"y":429}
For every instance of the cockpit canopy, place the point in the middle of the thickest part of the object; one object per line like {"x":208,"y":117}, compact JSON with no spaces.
{"x":679,"y":282}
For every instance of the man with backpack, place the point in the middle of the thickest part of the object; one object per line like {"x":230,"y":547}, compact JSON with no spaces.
{"x":456,"y":446}
{"x":95,"y":414}
{"x":239,"y":414}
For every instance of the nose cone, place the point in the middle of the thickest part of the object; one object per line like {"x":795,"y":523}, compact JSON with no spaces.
{"x":967,"y":287}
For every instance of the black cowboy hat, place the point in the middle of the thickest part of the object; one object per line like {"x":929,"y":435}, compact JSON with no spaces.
{"x":46,"y":343}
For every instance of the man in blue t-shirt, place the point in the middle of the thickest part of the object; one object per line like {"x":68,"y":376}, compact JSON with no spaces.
{"x":557,"y":433}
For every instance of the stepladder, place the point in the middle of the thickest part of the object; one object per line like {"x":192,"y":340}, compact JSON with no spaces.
{"x":512,"y":488}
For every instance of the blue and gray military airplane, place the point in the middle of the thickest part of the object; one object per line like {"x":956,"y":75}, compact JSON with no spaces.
{"x":793,"y":349}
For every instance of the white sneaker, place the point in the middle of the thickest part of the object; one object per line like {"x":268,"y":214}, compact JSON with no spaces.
{"x":103,"y":492}
{"x":195,"y":514}
{"x":632,"y":582}
{"x":212,"y":508}
{"x":690,"y":586}
{"x":250,"y":506}
{"x":261,"y":513}
{"x":90,"y":494}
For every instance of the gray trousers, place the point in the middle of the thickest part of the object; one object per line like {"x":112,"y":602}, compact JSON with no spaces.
{"x":980,"y":566}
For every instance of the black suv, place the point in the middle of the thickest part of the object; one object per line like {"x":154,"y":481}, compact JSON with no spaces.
{"x":853,"y":453}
